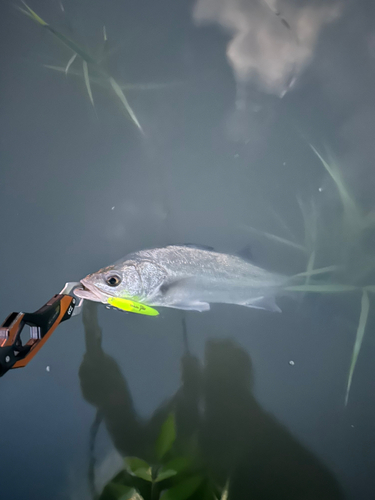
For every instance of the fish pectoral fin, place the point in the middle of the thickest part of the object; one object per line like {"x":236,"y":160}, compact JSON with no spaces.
{"x":266,"y":303}
{"x":191,"y":306}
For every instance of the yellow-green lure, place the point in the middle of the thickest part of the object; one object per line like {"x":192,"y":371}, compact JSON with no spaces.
{"x":131,"y":306}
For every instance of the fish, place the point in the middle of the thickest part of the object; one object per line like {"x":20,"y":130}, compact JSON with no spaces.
{"x":187,"y":277}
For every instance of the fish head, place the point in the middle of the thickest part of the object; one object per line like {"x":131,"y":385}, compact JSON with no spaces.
{"x":130,"y":280}
{"x":111,"y":281}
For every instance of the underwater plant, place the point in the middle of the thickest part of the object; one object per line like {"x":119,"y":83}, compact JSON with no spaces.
{"x":344,"y":241}
{"x":169,"y":477}
{"x":88,"y":63}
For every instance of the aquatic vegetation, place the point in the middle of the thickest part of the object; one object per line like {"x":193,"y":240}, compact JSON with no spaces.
{"x":342,"y":241}
{"x":365,"y":307}
{"x":102,"y":83}
{"x":87,"y":62}
{"x":170,"y":476}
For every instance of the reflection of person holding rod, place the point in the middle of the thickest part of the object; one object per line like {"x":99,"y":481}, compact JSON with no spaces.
{"x":236,"y":437}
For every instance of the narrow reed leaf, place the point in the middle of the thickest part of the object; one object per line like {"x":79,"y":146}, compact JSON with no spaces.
{"x":310,"y":267}
{"x":365,"y":307}
{"x":348,"y":203}
{"x":65,"y":40}
{"x":275,"y":238}
{"x":25,"y":12}
{"x":72,"y":45}
{"x":321,"y":270}
{"x":33,"y":15}
{"x":70,"y":62}
{"x":124,"y":101}
{"x":87,"y":81}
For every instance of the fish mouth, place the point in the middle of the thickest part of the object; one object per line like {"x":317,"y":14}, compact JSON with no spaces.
{"x":89,"y":292}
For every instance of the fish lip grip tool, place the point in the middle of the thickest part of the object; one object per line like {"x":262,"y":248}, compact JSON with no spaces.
{"x":16,"y":354}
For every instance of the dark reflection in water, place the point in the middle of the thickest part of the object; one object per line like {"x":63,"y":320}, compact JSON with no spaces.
{"x":216,"y":405}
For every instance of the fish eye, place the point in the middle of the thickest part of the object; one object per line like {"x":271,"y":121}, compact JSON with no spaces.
{"x":113,"y":280}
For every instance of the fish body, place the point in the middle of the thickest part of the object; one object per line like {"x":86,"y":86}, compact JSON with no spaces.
{"x":184,"y":277}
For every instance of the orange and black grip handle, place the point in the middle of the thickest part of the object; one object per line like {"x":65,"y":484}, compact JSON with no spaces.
{"x":42,"y":323}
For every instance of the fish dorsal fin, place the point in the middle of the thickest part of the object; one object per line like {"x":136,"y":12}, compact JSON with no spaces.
{"x":194,"y":245}
{"x":246,"y":254}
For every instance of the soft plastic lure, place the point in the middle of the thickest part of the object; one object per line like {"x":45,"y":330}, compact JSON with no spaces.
{"x":131,"y":306}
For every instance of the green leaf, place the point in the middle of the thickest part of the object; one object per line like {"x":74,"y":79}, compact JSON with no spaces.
{"x":365,"y":307}
{"x":117,"y":491}
{"x":145,"y":474}
{"x":183,"y":490}
{"x":322,"y":288}
{"x":179,"y":464}
{"x":87,"y":81}
{"x":165,"y":474}
{"x":120,"y":94}
{"x":134,"y":463}
{"x":33,"y":15}
{"x":139,"y":468}
{"x":70,"y":62}
{"x":225,"y":492}
{"x":166,"y":437}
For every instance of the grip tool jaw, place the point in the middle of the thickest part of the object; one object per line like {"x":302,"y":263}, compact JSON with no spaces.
{"x":16,"y":354}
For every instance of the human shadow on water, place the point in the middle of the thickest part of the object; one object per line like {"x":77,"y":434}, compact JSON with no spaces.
{"x":214,"y":408}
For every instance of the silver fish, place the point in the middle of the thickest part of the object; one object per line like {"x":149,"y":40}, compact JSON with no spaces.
{"x":185,"y":277}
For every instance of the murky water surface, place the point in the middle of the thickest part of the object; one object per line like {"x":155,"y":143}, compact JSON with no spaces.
{"x":207,"y":142}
